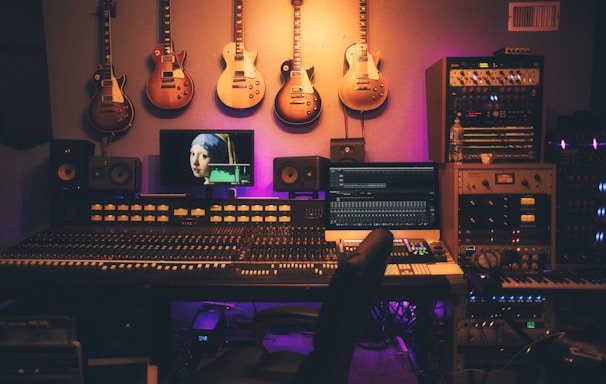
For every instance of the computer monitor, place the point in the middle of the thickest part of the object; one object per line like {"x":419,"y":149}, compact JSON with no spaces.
{"x":402,"y":197}
{"x":206,"y":157}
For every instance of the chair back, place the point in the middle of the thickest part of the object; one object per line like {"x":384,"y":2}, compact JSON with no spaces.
{"x":344,"y":311}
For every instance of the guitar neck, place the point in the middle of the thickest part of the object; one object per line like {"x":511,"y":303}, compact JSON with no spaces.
{"x":239,"y":29}
{"x":296,"y":61}
{"x":166,"y":28}
{"x":363,"y":33}
{"x":106,"y":42}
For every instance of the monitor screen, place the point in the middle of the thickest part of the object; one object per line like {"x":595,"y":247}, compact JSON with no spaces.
{"x":391,"y":195}
{"x":206,"y":157}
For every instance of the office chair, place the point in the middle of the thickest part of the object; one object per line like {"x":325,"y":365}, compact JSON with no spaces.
{"x":342,"y":315}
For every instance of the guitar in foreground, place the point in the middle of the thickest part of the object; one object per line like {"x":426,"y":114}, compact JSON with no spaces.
{"x":297,"y":101}
{"x":110,"y":110}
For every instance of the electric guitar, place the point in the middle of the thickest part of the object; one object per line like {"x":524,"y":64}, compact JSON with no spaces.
{"x":110,"y":110}
{"x":169,"y":86}
{"x":297,"y":101}
{"x":363,"y":87}
{"x":240,"y":85}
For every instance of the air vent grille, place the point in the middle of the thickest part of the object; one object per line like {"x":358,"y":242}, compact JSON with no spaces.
{"x":536,"y":16}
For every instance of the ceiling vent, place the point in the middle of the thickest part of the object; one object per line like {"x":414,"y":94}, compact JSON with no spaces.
{"x":535,"y":16}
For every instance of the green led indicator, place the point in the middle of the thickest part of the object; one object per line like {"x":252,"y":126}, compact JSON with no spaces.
{"x":483,"y":65}
{"x":530,"y":324}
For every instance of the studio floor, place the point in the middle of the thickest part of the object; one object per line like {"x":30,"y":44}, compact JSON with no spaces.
{"x":371,"y":363}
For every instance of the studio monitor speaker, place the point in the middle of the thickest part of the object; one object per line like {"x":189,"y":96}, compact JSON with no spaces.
{"x":347,"y":150}
{"x":114,"y":174}
{"x":296,"y":174}
{"x":69,"y":165}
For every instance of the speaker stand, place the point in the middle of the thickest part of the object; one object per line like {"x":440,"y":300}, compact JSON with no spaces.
{"x":209,"y":193}
{"x":294,"y":195}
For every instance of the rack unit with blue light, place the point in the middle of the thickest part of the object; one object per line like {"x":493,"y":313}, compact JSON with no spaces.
{"x":493,"y":329}
{"x":578,"y":148}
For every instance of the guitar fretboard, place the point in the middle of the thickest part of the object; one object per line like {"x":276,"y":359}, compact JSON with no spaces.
{"x":166,"y":28}
{"x":296,"y":62}
{"x":107,"y":46}
{"x":239,"y":30}
{"x":363,"y":34}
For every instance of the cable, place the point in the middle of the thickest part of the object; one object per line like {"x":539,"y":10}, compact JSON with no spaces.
{"x":526,"y":349}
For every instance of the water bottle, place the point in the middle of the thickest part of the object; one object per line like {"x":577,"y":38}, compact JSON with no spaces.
{"x":455,"y":150}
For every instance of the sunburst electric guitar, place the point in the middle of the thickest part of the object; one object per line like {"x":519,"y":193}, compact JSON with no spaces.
{"x":169,"y":86}
{"x":110,"y":110}
{"x":363,"y":87}
{"x":240,"y":85}
{"x":297,"y":101}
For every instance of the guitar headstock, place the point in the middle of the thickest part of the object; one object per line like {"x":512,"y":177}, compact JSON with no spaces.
{"x":297,"y":3}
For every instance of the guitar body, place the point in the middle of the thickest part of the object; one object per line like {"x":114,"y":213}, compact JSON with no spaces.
{"x":363,"y":87}
{"x":240,"y":85}
{"x":297,"y":102}
{"x":169,"y":86}
{"x":110,"y":110}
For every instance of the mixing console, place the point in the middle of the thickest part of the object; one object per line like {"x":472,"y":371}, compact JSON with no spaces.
{"x":195,"y":242}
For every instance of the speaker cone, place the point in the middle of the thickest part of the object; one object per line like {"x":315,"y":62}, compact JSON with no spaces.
{"x":120,"y":174}
{"x":66,"y":172}
{"x":289,"y":174}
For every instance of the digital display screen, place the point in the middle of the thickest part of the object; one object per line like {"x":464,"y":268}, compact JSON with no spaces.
{"x":206,"y":157}
{"x":392,"y":195}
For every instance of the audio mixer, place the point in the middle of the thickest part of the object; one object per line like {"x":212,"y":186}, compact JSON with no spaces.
{"x":186,"y":241}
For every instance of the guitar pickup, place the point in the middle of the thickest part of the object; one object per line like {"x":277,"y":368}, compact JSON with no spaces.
{"x":296,"y":89}
{"x":167,"y":74}
{"x":168,"y":58}
{"x":362,"y":88}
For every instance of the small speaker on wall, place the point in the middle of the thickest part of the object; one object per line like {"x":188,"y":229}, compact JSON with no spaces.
{"x":114,"y":174}
{"x":299,"y":174}
{"x":347,"y":150}
{"x":69,"y":164}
